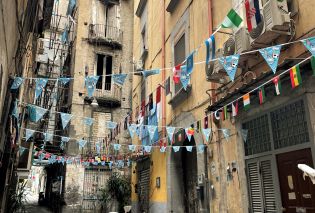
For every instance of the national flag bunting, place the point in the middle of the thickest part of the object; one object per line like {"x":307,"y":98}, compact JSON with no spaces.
{"x":176,"y":74}
{"x":225,"y":113}
{"x":210,"y":45}
{"x":246,"y":101}
{"x":262,"y":96}
{"x":295,"y":76}
{"x":253,"y":17}
{"x":235,"y":108}
{"x":231,"y":20}
{"x":277,"y":82}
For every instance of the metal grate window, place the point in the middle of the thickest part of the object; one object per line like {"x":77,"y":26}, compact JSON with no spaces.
{"x":258,"y":139}
{"x":289,"y":125}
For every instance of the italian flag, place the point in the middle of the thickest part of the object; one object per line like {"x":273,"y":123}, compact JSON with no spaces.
{"x":262,"y":96}
{"x":277,"y":82}
{"x":231,"y":20}
{"x":295,"y":76}
{"x":246,"y":101}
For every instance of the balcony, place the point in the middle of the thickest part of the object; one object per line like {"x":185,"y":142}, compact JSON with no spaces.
{"x":108,"y":96}
{"x":106,"y":35}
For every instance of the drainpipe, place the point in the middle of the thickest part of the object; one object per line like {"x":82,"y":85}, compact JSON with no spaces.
{"x":163,"y":71}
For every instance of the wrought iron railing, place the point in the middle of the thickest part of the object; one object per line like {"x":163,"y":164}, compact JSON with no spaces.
{"x":102,"y":32}
{"x":109,"y":91}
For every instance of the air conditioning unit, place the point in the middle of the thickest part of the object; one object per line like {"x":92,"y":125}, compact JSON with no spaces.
{"x":242,"y":42}
{"x":275,"y":22}
{"x":229,"y":47}
{"x":215,"y":71}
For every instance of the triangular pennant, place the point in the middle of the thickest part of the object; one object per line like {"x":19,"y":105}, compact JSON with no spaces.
{"x":110,"y":164}
{"x":132,"y":129}
{"x":86,"y":163}
{"x":116,"y":146}
{"x":188,"y":134}
{"x":65,"y":119}
{"x":111,"y":125}
{"x":244,"y":134}
{"x":65,"y":139}
{"x":40,"y":85}
{"x":309,"y":43}
{"x":184,"y":77}
{"x":163,"y":149}
{"x":176,"y":148}
{"x":81,"y":143}
{"x":64,"y":81}
{"x":201,"y":148}
{"x":17,"y":82}
{"x":15,"y":111}
{"x":207,"y":133}
{"x":226,"y":133}
{"x":151,"y":129}
{"x":39,"y":113}
{"x":147,"y":73}
{"x":69,"y":161}
{"x":147,"y":148}
{"x":210,"y":45}
{"x":170,"y":132}
{"x":48,"y":136}
{"x":132,"y":148}
{"x":189,"y":148}
{"x":28,"y":133}
{"x":271,"y":55}
{"x":119,"y":79}
{"x":103,"y":163}
{"x":230,"y":63}
{"x":90,"y":83}
{"x":88,"y":121}
{"x":190,"y":63}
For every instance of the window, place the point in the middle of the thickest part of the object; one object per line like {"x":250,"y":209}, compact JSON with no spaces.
{"x":179,"y":57}
{"x":104,"y":70}
{"x":144,"y":33}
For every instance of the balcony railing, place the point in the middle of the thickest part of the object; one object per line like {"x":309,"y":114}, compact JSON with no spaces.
{"x":109,"y":95}
{"x":105,"y":34}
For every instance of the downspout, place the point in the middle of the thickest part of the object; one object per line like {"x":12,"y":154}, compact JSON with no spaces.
{"x":163,"y":71}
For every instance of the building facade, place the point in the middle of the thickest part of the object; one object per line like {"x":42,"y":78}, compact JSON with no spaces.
{"x":259,"y":175}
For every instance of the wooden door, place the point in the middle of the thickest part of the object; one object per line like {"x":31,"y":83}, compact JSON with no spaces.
{"x":297,"y":194}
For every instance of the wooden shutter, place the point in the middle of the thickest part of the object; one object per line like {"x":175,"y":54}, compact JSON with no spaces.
{"x":254,"y":183}
{"x":268,"y":186}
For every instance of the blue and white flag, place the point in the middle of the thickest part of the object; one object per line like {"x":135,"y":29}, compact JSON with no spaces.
{"x":64,"y":81}
{"x":98,"y":147}
{"x":39,"y":112}
{"x":15,"y":111}
{"x":207,"y":133}
{"x":271,"y":55}
{"x":48,"y":136}
{"x":65,"y":139}
{"x":147,"y":73}
{"x":82,"y":143}
{"x":190,"y":63}
{"x":40,"y":85}
{"x":201,"y":148}
{"x":103,"y":163}
{"x":90,"y":83}
{"x":65,"y":119}
{"x":147,"y":148}
{"x":244,"y":134}
{"x":184,"y":77}
{"x":86,"y":163}
{"x":62,"y":145}
{"x":28,"y":133}
{"x":17,"y":82}
{"x":230,"y":63}
{"x":170,"y":132}
{"x":132,"y":148}
{"x":187,"y":133}
{"x":110,"y":164}
{"x":210,"y":44}
{"x":71,"y":6}
{"x":189,"y":148}
{"x":88,"y":121}
{"x":132,"y":129}
{"x":65,"y":35}
{"x":309,"y":43}
{"x":151,"y":129}
{"x":226,"y":133}
{"x":176,"y":148}
{"x":111,"y":125}
{"x":163,"y":149}
{"x":119,"y":79}
{"x":95,"y":163}
{"x":116,"y":146}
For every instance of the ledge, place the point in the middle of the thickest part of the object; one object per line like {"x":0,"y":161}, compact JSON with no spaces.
{"x":180,"y":96}
{"x":140,"y":7}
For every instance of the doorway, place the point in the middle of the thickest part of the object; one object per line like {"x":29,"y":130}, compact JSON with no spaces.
{"x":297,"y":194}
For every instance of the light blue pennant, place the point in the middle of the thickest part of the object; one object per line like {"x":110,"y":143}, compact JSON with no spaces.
{"x":39,"y":113}
{"x":207,"y":133}
{"x":309,"y":43}
{"x":64,"y":81}
{"x":190,"y":63}
{"x":69,"y":161}
{"x":110,"y":164}
{"x":244,"y":134}
{"x":65,"y":35}
{"x":119,"y":79}
{"x":82,"y":143}
{"x":17,"y":82}
{"x":184,"y":77}
{"x":121,"y":163}
{"x":188,"y":135}
{"x":95,"y":163}
{"x":103,"y":163}
{"x":226,"y":133}
{"x":147,"y":148}
{"x":210,"y":44}
{"x":65,"y":139}
{"x":28,"y":133}
{"x":98,"y":147}
{"x":88,"y":121}
{"x":201,"y":148}
{"x":86,"y":163}
{"x":48,"y":136}
{"x":151,"y":129}
{"x":128,"y":163}
{"x":65,"y":119}
{"x":116,"y":146}
{"x":90,"y":83}
{"x":111,"y":125}
{"x":132,"y":148}
{"x":271,"y":56}
{"x":62,"y":145}
{"x":132,"y":129}
{"x":147,"y":73}
{"x":176,"y":148}
{"x":15,"y":111}
{"x":170,"y":132}
{"x":230,"y":63}
{"x":189,"y":148}
{"x":163,"y":149}
{"x":40,"y":85}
